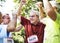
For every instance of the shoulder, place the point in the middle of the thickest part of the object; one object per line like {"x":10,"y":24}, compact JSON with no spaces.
{"x":23,"y":18}
{"x":41,"y":23}
{"x":44,"y":20}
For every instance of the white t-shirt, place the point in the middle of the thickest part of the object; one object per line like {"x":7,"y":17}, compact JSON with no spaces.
{"x":3,"y":31}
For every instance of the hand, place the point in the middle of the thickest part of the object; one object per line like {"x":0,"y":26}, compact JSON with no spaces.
{"x":23,"y":2}
{"x":39,"y":4}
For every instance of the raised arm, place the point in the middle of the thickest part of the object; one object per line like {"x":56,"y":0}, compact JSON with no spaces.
{"x":18,"y":28}
{"x":12,"y":25}
{"x":20,"y":7}
{"x":41,"y":10}
{"x":49,"y":10}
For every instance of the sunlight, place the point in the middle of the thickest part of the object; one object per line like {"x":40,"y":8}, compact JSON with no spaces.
{"x":8,"y":6}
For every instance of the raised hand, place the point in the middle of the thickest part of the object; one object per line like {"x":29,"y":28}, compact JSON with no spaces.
{"x":23,"y":2}
{"x":39,"y":4}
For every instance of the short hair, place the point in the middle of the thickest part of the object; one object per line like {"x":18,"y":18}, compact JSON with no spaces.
{"x":34,"y":11}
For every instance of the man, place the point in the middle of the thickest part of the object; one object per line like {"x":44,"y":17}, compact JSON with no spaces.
{"x":34,"y":29}
{"x":52,"y":26}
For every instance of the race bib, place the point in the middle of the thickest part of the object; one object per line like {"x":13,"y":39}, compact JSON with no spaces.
{"x":3,"y":31}
{"x":8,"y":40}
{"x":32,"y":39}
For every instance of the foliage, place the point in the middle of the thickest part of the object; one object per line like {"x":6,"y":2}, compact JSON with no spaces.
{"x":19,"y":36}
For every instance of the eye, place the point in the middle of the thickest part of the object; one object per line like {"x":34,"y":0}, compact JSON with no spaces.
{"x":6,"y":18}
{"x":31,"y":16}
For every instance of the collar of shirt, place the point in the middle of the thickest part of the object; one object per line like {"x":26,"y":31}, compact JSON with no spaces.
{"x":37,"y":24}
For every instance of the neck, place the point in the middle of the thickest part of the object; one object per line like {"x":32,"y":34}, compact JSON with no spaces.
{"x":36,"y":22}
{"x":4,"y":23}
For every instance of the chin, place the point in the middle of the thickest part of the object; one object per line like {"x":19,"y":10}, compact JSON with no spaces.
{"x":32,"y":22}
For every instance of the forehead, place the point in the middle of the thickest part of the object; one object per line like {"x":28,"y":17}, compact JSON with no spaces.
{"x":31,"y":14}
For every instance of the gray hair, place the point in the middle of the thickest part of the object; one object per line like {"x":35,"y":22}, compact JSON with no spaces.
{"x":34,"y":11}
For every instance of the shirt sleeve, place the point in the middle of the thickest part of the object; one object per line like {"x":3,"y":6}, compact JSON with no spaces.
{"x":24,"y":21}
{"x":3,"y":31}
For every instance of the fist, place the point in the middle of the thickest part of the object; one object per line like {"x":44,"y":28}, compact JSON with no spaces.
{"x":23,"y":2}
{"x":39,"y":4}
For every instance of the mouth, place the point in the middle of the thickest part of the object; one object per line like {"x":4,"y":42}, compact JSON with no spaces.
{"x":31,"y":19}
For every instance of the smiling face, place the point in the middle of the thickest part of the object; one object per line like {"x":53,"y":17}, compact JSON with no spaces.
{"x":6,"y":19}
{"x":34,"y":18}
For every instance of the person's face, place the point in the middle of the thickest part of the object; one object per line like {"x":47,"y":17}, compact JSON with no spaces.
{"x":33,"y":18}
{"x":6,"y":19}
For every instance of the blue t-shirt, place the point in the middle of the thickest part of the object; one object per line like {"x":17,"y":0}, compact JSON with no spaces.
{"x":3,"y":33}
{"x":1,"y":40}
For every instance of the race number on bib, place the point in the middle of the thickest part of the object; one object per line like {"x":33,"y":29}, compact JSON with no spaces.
{"x":32,"y":39}
{"x":3,"y":31}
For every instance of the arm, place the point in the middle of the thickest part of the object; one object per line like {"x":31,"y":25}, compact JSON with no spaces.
{"x":18,"y":28}
{"x":20,"y":7}
{"x":49,"y":10}
{"x":22,"y":19}
{"x":40,"y":7}
{"x":42,"y":15}
{"x":12,"y":25}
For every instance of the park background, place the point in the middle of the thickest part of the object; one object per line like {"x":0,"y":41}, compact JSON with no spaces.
{"x":10,"y":6}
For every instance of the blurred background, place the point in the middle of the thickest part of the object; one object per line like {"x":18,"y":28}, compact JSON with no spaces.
{"x":10,"y":6}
